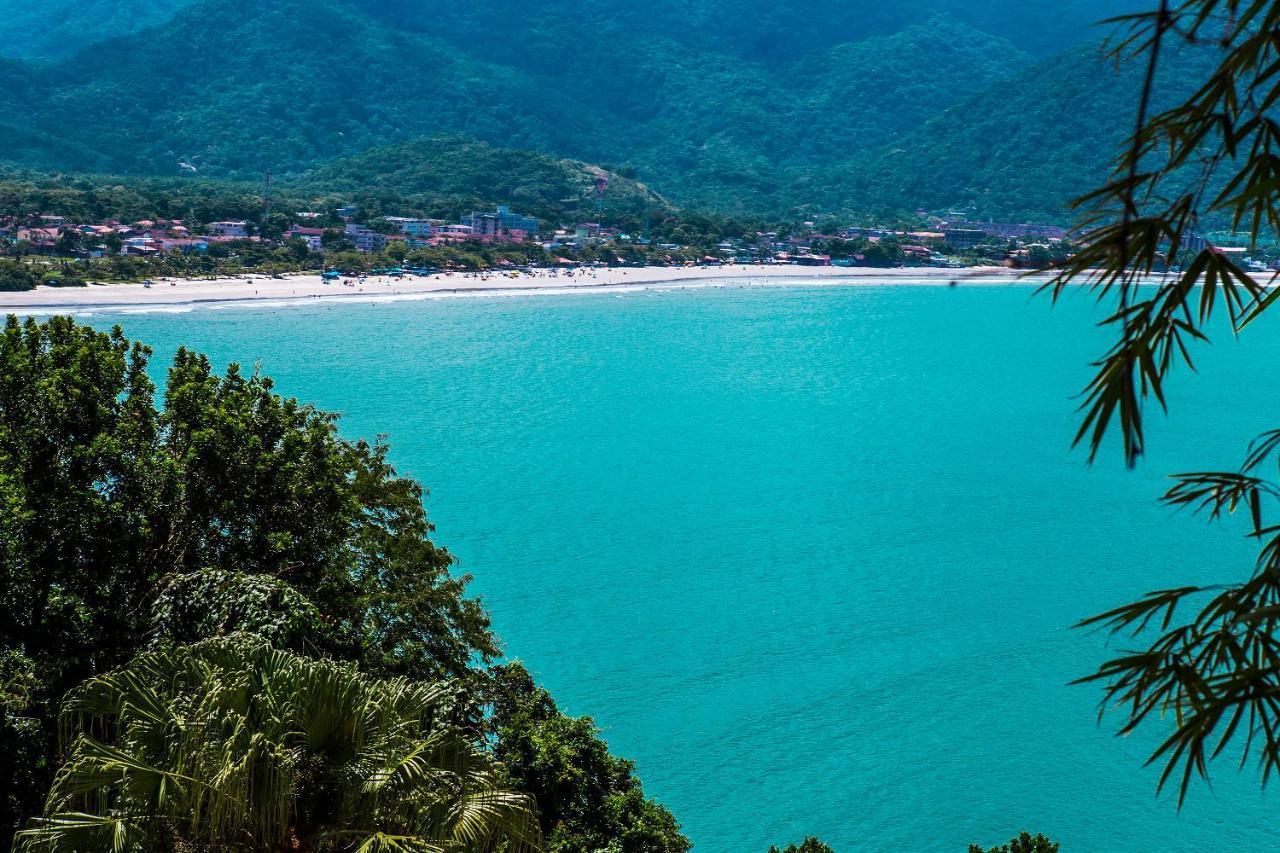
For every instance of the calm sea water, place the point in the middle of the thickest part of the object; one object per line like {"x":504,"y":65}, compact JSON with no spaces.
{"x":808,"y":555}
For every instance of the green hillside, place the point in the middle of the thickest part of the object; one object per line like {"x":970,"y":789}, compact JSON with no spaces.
{"x":773,"y":32}
{"x":1022,"y":149}
{"x":56,"y":29}
{"x":449,"y":175}
{"x":553,"y":35}
{"x":784,"y":109}
{"x":441,"y":176}
{"x":264,"y":94}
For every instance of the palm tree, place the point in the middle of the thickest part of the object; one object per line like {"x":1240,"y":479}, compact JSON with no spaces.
{"x":230,"y":744}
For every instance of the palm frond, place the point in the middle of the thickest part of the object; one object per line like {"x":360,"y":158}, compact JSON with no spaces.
{"x":230,"y":742}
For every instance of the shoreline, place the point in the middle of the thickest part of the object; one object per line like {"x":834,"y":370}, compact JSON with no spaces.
{"x":195,"y":293}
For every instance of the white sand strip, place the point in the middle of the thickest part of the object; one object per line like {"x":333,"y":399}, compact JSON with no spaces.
{"x":194,"y":292}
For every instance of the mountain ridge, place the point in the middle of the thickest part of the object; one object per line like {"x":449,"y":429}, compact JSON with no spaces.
{"x":238,"y":88}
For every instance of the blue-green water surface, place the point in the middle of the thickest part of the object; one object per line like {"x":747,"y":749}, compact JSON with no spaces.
{"x":809,"y":555}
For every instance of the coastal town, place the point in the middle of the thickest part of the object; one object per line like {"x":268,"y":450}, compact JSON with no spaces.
{"x":942,"y":244}
{"x":347,"y":244}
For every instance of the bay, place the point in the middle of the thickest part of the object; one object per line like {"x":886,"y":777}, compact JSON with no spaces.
{"x":809,"y":555}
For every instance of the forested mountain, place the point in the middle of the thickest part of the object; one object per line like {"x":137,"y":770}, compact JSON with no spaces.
{"x":438,"y":176}
{"x":453,"y":175}
{"x":730,"y":104}
{"x":775,"y":32}
{"x":1021,"y":148}
{"x":56,"y":29}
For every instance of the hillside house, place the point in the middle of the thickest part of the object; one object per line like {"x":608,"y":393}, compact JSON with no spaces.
{"x":231,"y":229}
{"x":313,"y":237}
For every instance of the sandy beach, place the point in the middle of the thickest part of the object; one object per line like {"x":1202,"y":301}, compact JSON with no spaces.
{"x":175,"y":293}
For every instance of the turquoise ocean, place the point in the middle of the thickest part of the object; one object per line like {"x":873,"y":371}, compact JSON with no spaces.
{"x":809,"y":555}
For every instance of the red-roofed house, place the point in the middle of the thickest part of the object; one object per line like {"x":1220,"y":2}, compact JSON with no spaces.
{"x":42,"y":240}
{"x":313,"y":237}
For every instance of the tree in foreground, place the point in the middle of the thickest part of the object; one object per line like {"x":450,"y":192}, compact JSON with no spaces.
{"x":1207,"y":655}
{"x":587,"y":799}
{"x":231,"y":745}
{"x":1024,"y":843}
{"x":127,"y":527}
{"x":810,"y":844}
{"x":124,"y":524}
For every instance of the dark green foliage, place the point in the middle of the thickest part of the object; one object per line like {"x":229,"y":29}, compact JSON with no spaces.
{"x":76,"y":427}
{"x":16,"y":276}
{"x":772,"y":32}
{"x":215,"y":602}
{"x":587,"y":799}
{"x":95,"y":198}
{"x":64,"y":280}
{"x":1021,"y":150}
{"x":809,"y":845}
{"x":1024,"y":843}
{"x":264,"y":93}
{"x":22,"y":744}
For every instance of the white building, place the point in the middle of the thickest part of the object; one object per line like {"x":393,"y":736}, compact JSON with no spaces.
{"x":233,"y":228}
{"x":415,"y":227}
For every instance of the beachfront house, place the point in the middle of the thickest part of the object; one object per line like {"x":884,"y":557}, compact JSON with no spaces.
{"x":964,"y":238}
{"x":811,"y":260}
{"x":916,"y":254}
{"x":1012,"y":230}
{"x":501,"y":225}
{"x":365,"y":238}
{"x":189,"y":245}
{"x":452,"y":233}
{"x":414,"y":227}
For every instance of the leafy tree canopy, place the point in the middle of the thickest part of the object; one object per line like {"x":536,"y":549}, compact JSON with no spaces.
{"x":588,"y":799}
{"x":809,"y":845}
{"x":1024,"y":843}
